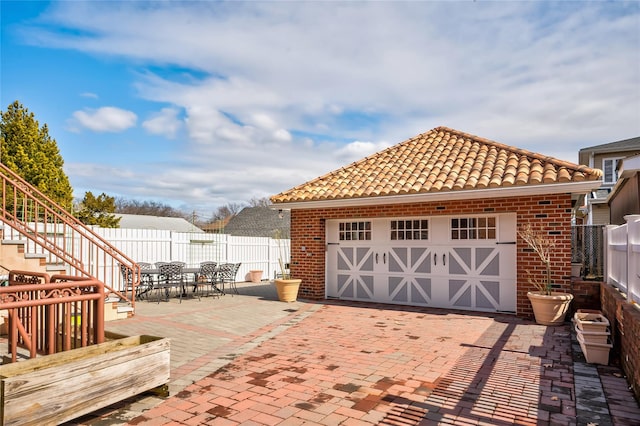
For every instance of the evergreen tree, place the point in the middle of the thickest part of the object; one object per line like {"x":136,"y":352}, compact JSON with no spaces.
{"x":98,"y":211}
{"x":28,"y":150}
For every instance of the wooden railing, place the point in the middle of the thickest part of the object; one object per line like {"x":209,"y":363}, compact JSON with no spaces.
{"x":63,"y":238}
{"x":52,"y":314}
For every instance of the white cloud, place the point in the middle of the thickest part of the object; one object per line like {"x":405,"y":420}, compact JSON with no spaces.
{"x":282,"y":135}
{"x":358,"y":149}
{"x":105,"y":119}
{"x":304,"y":83}
{"x":89,"y":95}
{"x":165,"y":123}
{"x":264,"y":121}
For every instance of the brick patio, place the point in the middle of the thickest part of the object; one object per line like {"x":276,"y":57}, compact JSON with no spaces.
{"x":250,"y":360}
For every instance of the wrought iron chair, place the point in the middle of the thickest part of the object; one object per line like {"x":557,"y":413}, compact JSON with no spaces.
{"x":127,"y":278}
{"x":170,"y":276}
{"x":146,"y":281}
{"x":227,"y":275}
{"x":159,"y":264}
{"x":185,"y":279}
{"x":207,"y":278}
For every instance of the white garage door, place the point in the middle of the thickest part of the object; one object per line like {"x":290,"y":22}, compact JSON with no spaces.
{"x":461,"y":262}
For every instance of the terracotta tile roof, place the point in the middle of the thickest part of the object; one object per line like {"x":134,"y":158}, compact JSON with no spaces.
{"x":439,"y":160}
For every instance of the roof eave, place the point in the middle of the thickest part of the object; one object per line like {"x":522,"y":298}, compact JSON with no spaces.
{"x":474,"y":194}
{"x":630,"y":166}
{"x":609,"y":150}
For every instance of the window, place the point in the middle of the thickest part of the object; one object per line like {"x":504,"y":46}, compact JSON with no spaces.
{"x":354,"y":231}
{"x":609,"y":168}
{"x":473,"y":228}
{"x":417,"y":229}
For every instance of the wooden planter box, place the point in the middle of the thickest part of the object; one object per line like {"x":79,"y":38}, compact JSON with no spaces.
{"x":53,"y":389}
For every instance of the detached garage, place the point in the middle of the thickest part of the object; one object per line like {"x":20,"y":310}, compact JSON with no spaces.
{"x":433,"y":222}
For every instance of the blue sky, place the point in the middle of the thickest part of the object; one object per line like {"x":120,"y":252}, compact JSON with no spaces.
{"x":201,"y":104}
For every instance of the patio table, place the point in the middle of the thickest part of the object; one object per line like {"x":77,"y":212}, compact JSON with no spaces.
{"x":152,"y":275}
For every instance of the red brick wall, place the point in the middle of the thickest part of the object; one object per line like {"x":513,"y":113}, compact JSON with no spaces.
{"x":625,"y":329}
{"x":550,"y":212}
{"x":586,"y":294}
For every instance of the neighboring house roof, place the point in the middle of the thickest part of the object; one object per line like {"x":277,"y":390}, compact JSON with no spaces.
{"x":441,"y":162}
{"x":629,"y":166}
{"x":137,"y":221}
{"x":216,"y":227}
{"x":623,"y":200}
{"x":259,"y":222}
{"x":632,"y":144}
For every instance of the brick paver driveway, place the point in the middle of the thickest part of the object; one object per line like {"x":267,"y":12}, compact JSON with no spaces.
{"x":368,"y":364}
{"x":250,"y":360}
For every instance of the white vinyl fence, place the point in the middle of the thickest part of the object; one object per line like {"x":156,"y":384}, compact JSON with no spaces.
{"x":150,"y":245}
{"x":623,"y":257}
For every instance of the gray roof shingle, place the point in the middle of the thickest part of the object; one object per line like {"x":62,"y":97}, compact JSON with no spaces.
{"x":138,"y":221}
{"x":632,"y":144}
{"x":259,"y":222}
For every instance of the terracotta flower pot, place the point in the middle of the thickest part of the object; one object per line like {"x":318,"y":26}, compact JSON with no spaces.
{"x":549,"y":309}
{"x":287,"y":289}
{"x":255,"y":276}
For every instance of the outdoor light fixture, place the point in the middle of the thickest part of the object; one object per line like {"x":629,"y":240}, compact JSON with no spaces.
{"x":280,"y":213}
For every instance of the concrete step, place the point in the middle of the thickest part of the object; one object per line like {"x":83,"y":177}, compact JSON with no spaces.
{"x":14,"y":242}
{"x":115,"y":310}
{"x":125,"y":308}
{"x":56,"y":267}
{"x":14,"y":258}
{"x":35,"y":256}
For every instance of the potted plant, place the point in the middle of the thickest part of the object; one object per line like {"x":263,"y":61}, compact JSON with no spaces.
{"x":286,"y":286}
{"x":549,"y":307}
